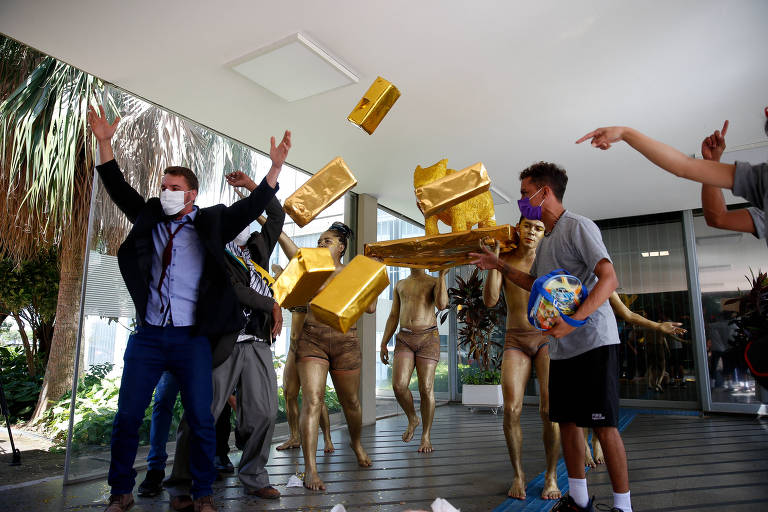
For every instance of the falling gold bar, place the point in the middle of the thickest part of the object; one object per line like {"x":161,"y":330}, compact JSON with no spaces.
{"x":303,"y":276}
{"x":452,"y":189}
{"x":374,"y":106}
{"x":350,"y":292}
{"x":435,"y":252}
{"x":319,"y":192}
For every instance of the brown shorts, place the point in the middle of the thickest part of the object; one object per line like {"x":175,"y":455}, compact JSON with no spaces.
{"x":342,"y":351}
{"x":424,"y":343}
{"x":526,"y":341}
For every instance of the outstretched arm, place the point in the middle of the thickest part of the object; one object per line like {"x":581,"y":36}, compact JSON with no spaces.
{"x":712,"y":201}
{"x":125,"y":197}
{"x":666,"y":157}
{"x":278,"y":154}
{"x":629,"y":316}
{"x":289,"y":248}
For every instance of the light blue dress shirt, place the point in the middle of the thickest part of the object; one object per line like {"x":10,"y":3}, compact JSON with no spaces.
{"x":177,"y":301}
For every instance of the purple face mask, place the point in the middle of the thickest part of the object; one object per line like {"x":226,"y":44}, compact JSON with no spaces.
{"x":529,"y":211}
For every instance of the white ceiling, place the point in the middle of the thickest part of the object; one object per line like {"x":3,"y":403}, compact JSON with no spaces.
{"x":507,"y":83}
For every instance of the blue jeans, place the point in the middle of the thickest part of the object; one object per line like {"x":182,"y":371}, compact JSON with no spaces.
{"x":150,"y":352}
{"x":162,"y":414}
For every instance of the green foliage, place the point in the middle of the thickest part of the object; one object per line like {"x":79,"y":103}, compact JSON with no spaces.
{"x":21,"y":390}
{"x":97,"y":396}
{"x":32,"y":284}
{"x":470,"y":375}
{"x":477,"y":322}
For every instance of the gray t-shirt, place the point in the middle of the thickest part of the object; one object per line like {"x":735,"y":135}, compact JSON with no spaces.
{"x":576,"y":246}
{"x":751,"y":183}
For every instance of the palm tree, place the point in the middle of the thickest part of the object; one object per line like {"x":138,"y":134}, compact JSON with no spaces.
{"x":47,"y":175}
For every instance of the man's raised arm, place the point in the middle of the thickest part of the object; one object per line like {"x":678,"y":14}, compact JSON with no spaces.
{"x":124,"y":196}
{"x":666,"y":157}
{"x":487,"y":260}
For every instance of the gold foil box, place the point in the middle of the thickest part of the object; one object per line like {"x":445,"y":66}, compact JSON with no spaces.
{"x":350,"y":292}
{"x":303,"y":276}
{"x":435,"y":252}
{"x":452,"y":189}
{"x":374,"y":106}
{"x":319,"y":192}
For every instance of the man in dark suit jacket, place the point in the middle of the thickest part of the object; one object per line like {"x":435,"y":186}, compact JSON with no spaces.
{"x":174,"y":267}
{"x":247,"y":361}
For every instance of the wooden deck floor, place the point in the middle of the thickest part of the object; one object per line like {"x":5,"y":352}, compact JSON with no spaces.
{"x":677,"y":463}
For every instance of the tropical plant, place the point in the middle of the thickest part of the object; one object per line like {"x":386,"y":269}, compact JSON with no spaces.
{"x":477,"y":322}
{"x":751,"y":339}
{"x":47,"y":175}
{"x":28,"y":293}
{"x":21,"y":388}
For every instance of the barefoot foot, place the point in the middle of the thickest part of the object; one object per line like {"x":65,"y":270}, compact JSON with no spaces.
{"x":408,"y":434}
{"x":312,"y":481}
{"x":290,"y":444}
{"x":550,"y":491}
{"x":426,"y":446}
{"x":362,"y":458}
{"x":517,"y":490}
{"x":329,"y":448}
{"x":598,"y":450}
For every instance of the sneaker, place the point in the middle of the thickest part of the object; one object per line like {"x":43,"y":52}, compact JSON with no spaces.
{"x":223,"y":464}
{"x":119,"y":502}
{"x":267,"y":493}
{"x":152,"y":484}
{"x":566,"y":504}
{"x":205,"y":504}
{"x":600,"y":506}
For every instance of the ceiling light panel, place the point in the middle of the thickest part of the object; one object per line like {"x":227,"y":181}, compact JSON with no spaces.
{"x":294,"y":68}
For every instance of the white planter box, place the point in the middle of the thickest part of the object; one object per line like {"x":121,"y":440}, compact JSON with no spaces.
{"x":482,"y":395}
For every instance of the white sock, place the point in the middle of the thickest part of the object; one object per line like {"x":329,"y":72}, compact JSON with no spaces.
{"x":577,"y":489}
{"x":621,"y":500}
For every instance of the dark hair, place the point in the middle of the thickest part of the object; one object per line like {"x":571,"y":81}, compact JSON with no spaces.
{"x":188,"y":175}
{"x":547,"y":174}
{"x":344,"y":233}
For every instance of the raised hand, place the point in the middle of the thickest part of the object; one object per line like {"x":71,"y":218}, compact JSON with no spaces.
{"x":712,"y":147}
{"x":240,"y":179}
{"x":279,"y":153}
{"x":602,"y":138}
{"x":102,"y":130}
{"x":485,"y":260}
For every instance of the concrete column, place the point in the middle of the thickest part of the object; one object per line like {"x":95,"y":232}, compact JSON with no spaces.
{"x":366,"y":327}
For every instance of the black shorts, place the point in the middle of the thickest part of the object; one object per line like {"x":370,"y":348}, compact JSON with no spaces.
{"x":585,"y":389}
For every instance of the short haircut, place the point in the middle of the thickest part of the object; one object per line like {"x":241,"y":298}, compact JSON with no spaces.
{"x":344,"y":233}
{"x":547,"y":174}
{"x":188,"y":175}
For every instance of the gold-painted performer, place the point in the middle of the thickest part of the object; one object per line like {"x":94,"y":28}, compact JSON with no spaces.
{"x":416,"y":345}
{"x":655,"y":329}
{"x":524,"y":343}
{"x":291,"y":383}
{"x":524,"y":346}
{"x":319,"y":349}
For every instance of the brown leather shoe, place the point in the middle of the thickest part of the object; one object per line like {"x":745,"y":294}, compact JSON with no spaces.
{"x":119,"y":502}
{"x":205,"y":504}
{"x":267,"y":493}
{"x":182,"y":503}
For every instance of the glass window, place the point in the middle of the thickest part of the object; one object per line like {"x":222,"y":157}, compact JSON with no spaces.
{"x":649,"y":258}
{"x":727,"y":260}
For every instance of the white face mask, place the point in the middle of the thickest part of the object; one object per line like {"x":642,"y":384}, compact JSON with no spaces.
{"x":173,"y":201}
{"x":242,"y":238}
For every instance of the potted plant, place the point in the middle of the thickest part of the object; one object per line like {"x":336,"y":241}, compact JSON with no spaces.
{"x":481,"y":385}
{"x":751,"y":338}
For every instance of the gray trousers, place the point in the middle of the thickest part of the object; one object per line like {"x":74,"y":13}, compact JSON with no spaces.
{"x":250,"y":365}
